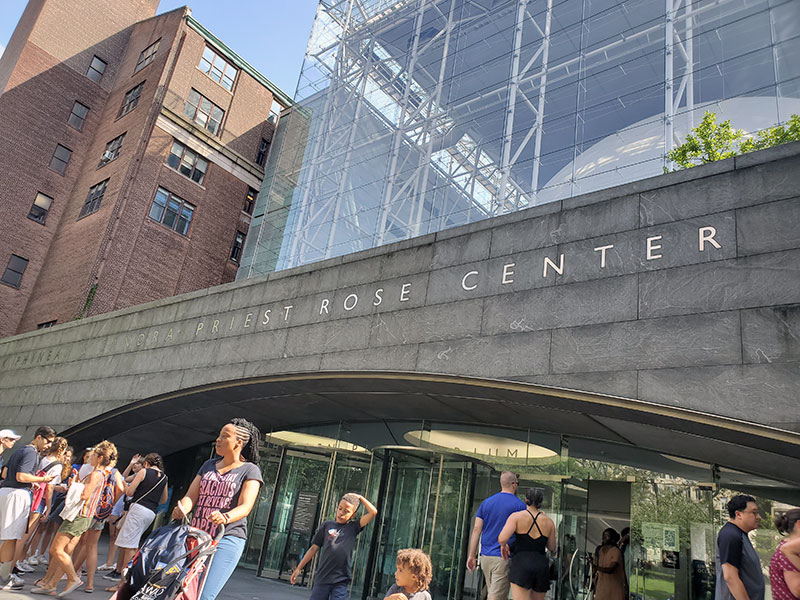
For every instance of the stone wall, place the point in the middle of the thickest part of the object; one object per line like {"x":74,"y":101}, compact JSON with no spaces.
{"x":681,"y":290}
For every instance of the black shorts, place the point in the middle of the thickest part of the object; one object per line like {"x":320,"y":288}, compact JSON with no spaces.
{"x":531,"y":571}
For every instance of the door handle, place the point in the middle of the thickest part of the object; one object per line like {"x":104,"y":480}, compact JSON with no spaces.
{"x":569,"y":571}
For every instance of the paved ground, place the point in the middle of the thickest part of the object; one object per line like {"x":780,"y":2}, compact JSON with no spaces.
{"x":244,"y":585}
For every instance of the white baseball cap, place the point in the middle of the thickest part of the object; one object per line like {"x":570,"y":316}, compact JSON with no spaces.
{"x":7,"y":433}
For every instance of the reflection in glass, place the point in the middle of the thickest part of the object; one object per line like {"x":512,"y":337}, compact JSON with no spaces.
{"x":413,"y":117}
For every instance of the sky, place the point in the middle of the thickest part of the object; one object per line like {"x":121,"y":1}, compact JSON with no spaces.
{"x":269,"y":34}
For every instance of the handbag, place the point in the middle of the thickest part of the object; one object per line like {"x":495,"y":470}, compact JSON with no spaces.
{"x":72,"y":501}
{"x":130,"y":504}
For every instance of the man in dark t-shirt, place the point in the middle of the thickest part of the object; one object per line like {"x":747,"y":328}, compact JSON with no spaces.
{"x":739,"y":575}
{"x":337,"y":539}
{"x":15,"y":501}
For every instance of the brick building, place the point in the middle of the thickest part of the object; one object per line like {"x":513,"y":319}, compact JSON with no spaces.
{"x":131,"y":151}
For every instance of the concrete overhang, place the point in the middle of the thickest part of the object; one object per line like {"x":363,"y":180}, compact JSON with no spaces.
{"x":611,"y":428}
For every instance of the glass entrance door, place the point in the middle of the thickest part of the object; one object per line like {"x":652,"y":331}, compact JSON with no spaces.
{"x":673,"y":539}
{"x":575,"y":572}
{"x":424,"y":503}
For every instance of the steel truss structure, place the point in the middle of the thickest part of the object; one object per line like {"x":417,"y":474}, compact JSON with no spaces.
{"x":373,"y":91}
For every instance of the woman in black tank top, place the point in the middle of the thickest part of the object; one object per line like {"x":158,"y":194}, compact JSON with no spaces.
{"x":535,"y":532}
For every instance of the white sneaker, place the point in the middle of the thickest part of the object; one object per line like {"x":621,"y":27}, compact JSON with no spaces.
{"x":33,"y":560}
{"x":43,"y":559}
{"x":105,"y":567}
{"x":14,"y":582}
{"x":25,"y":567}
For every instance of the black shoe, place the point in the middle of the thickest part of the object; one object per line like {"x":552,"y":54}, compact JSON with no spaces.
{"x":113,"y":576}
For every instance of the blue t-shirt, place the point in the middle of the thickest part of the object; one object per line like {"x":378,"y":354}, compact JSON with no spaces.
{"x":495,"y":511}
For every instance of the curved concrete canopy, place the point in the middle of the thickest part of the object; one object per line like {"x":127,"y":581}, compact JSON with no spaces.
{"x":175,"y":421}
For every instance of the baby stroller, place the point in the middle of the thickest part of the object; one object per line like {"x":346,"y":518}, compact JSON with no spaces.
{"x":170,"y":564}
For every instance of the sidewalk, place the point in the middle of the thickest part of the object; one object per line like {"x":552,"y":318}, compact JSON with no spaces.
{"x":243,"y":585}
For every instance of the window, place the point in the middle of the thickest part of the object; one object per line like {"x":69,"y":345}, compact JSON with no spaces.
{"x":39,"y":208}
{"x":13,"y":274}
{"x":96,"y":69}
{"x":219,"y":69}
{"x":204,"y":112}
{"x":187,"y":162}
{"x":238,"y":244}
{"x":171,"y":211}
{"x":130,"y":100}
{"x":147,"y":56}
{"x":46,"y":324}
{"x":112,"y":150}
{"x":263,"y":150}
{"x":250,"y":201}
{"x":78,"y":116}
{"x":274,"y":113}
{"x":60,"y":159}
{"x":94,"y":198}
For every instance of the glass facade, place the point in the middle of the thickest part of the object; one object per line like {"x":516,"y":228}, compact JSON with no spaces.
{"x":428,"y":479}
{"x":415,"y":116}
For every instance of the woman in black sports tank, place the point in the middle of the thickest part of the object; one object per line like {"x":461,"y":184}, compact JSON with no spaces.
{"x":534,"y":533}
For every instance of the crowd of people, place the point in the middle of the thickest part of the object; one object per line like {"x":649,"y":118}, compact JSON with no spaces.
{"x":514,"y":537}
{"x":53,"y":512}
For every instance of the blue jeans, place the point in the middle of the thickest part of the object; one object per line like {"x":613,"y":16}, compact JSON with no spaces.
{"x":330,"y":591}
{"x":225,"y":560}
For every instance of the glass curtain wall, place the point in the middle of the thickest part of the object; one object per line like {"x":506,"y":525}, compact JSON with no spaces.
{"x":413,"y":116}
{"x":428,"y":479}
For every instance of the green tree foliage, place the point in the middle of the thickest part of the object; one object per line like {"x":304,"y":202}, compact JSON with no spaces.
{"x":711,"y":141}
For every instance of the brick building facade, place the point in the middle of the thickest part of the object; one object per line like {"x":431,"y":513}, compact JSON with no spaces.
{"x":131,"y":147}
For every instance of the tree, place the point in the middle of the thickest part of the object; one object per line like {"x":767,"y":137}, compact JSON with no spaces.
{"x":711,"y":141}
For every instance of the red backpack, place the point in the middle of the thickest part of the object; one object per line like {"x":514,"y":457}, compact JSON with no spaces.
{"x":106,"y":502}
{"x":40,"y":487}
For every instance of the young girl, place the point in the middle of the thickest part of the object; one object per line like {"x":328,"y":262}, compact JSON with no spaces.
{"x":412,"y":577}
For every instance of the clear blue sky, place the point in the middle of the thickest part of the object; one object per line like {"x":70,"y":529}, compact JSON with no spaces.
{"x":270,"y":34}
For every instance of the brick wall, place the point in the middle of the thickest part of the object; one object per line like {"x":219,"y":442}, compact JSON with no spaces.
{"x":127,"y":256}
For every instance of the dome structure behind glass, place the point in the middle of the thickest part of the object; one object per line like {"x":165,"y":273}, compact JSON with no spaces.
{"x":411,"y":117}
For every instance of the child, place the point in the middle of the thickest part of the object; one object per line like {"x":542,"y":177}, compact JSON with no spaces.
{"x":413,"y":576}
{"x":337,"y":540}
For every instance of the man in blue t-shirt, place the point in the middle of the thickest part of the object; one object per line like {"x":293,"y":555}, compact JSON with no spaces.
{"x":489,"y":521}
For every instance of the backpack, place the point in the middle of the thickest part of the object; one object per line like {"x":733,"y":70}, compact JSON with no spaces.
{"x":40,"y":487}
{"x":106,"y":502}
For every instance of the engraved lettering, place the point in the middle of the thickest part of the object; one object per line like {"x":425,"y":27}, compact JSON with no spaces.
{"x":200,"y":326}
{"x":651,"y":247}
{"x":706,"y":234}
{"x":557,"y":268}
{"x":286,"y":310}
{"x":324,"y":306}
{"x":354,"y":297}
{"x":464,"y":281}
{"x":404,"y":292}
{"x":378,"y":297}
{"x":215,"y":326}
{"x":247,"y":320}
{"x":508,"y":273}
{"x":265,"y":320}
{"x":602,"y":250}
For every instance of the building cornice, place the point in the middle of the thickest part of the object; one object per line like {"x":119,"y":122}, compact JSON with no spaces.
{"x":237,"y":60}
{"x":209,"y":147}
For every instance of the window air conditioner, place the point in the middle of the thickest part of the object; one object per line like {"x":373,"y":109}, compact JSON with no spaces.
{"x":108,"y":155}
